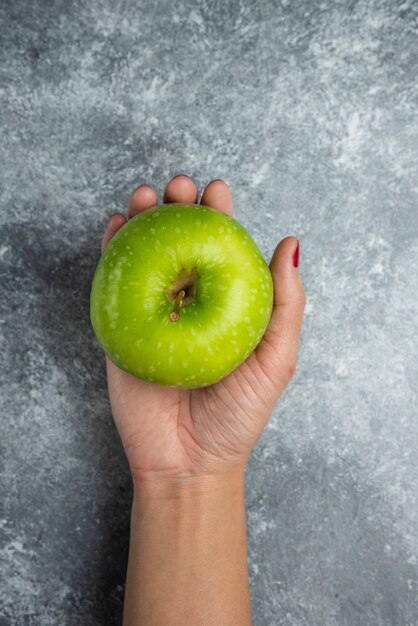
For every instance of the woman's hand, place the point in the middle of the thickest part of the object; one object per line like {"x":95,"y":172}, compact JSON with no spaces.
{"x":187,"y":450}
{"x":175,"y":435}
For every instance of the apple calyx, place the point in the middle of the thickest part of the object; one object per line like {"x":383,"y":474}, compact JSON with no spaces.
{"x":183,"y":291}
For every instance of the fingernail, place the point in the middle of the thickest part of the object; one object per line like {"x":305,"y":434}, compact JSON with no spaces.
{"x":116,"y":214}
{"x":296,"y":256}
{"x":221,"y":180}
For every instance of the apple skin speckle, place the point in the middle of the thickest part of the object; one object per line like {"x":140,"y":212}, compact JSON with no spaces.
{"x":131,"y":305}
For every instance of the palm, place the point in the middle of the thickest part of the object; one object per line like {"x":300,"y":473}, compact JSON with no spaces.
{"x":213,"y":428}
{"x":172,"y":430}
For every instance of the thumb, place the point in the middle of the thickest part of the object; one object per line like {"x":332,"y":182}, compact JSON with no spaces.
{"x":277,"y":351}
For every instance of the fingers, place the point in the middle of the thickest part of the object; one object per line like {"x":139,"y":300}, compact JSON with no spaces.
{"x":143,"y":197}
{"x":277,"y":352}
{"x":181,"y":188}
{"x":218,"y":196}
{"x":114,"y":224}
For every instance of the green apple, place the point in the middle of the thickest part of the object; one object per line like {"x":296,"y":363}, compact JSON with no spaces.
{"x":181,"y":296}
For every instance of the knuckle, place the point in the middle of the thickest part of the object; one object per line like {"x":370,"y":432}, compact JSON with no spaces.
{"x":291,"y":370}
{"x":301,"y":299}
{"x":288,"y":370}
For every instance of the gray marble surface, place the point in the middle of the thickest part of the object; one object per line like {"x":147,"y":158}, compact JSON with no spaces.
{"x":308,"y":110}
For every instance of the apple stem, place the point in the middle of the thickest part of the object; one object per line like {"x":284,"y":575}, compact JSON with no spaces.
{"x":175,"y":313}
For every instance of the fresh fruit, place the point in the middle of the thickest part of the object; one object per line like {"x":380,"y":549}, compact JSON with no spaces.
{"x":181,"y":296}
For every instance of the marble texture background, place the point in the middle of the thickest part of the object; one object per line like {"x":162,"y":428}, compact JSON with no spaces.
{"x":308,"y":110}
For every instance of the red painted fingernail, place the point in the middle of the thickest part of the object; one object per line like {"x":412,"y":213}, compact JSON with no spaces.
{"x":296,"y":256}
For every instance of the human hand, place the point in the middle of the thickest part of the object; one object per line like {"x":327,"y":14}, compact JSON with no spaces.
{"x":176,"y":434}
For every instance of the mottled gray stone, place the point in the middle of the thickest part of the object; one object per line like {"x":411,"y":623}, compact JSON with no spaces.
{"x":308,"y":109}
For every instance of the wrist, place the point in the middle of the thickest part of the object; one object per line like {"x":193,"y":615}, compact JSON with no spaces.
{"x":187,"y":508}
{"x":157,"y":487}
